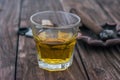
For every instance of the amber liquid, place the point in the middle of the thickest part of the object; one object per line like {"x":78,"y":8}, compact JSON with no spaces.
{"x":55,"y":50}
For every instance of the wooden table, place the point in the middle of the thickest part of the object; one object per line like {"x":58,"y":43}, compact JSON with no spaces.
{"x":18,"y":53}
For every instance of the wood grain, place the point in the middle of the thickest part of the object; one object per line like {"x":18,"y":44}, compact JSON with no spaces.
{"x":90,"y":8}
{"x":101,"y":63}
{"x":111,"y":8}
{"x":9,"y":19}
{"x":90,"y":63}
{"x":27,"y":67}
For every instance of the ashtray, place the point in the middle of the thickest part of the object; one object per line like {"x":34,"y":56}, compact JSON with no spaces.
{"x":91,"y":38}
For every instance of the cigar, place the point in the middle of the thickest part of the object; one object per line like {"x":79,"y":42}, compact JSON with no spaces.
{"x":87,"y":22}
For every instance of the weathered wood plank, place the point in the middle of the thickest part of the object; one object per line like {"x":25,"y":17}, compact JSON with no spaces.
{"x":27,"y":68}
{"x":89,"y":8}
{"x":112,"y":55}
{"x":111,"y":8}
{"x":9,"y":21}
{"x":101,"y":63}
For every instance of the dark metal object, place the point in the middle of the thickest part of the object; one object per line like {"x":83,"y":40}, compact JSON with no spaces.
{"x":25,"y":32}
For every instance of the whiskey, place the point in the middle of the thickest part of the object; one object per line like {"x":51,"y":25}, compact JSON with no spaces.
{"x":57,"y":49}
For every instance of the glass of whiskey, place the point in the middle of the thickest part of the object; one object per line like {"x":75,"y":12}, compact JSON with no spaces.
{"x":55,"y":35}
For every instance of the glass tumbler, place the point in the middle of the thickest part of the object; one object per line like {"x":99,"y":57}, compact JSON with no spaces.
{"x":55,"y":35}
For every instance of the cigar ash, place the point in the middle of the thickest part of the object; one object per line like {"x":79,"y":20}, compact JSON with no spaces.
{"x":107,"y":34}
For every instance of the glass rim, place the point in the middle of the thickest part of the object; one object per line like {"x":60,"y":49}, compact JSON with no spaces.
{"x":63,"y":27}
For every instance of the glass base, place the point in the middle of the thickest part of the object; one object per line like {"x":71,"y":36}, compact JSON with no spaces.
{"x":54,"y":67}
